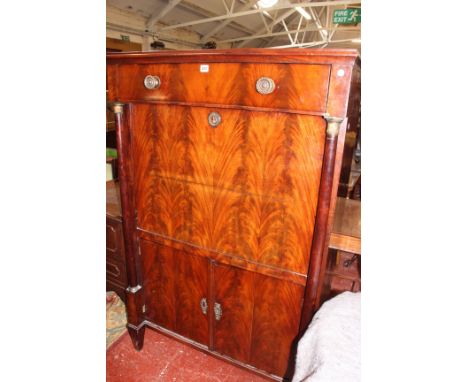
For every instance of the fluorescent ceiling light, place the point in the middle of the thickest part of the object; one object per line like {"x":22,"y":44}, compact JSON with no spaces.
{"x":266,"y":3}
{"x":303,"y":12}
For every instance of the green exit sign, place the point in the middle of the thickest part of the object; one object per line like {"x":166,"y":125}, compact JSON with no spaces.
{"x":347,"y":16}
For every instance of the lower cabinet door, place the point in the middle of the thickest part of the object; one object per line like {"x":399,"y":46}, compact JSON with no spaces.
{"x":191,"y":293}
{"x":276,"y":317}
{"x":233,"y":309}
{"x":175,"y":284}
{"x":257,"y":319}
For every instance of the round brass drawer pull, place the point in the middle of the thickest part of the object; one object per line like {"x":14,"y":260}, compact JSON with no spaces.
{"x":152,"y":82}
{"x":265,"y":85}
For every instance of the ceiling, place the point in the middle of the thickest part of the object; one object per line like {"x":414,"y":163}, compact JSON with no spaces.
{"x":242,"y":23}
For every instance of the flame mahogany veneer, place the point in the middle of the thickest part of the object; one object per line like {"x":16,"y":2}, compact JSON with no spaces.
{"x":226,"y":227}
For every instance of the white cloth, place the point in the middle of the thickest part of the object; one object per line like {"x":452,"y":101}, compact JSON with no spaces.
{"x":330,"y":349}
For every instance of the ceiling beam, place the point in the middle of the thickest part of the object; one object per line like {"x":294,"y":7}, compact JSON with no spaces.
{"x":226,"y":22}
{"x":271,"y":25}
{"x":298,"y":28}
{"x":225,"y":5}
{"x":167,"y":37}
{"x":205,"y":13}
{"x":154,"y":18}
{"x":258,"y":10}
{"x":295,"y":15}
{"x":262,"y":16}
{"x":306,"y":29}
{"x":316,"y":21}
{"x":305,"y":32}
{"x":287,"y":30}
{"x":311,"y":43}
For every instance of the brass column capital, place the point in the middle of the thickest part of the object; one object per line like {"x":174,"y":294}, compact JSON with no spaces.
{"x":333,"y":125}
{"x":117,"y":107}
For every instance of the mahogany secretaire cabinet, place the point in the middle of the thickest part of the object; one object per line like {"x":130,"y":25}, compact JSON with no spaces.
{"x":229,"y":165}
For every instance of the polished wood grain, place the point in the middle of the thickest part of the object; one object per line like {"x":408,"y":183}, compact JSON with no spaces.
{"x":338,"y":92}
{"x":160,"y":284}
{"x":345,"y":243}
{"x":234,"y":292}
{"x":226,"y":259}
{"x":346,"y":233}
{"x":277,"y":312}
{"x":134,"y":293}
{"x":245,"y":55}
{"x":192,"y":286}
{"x":320,"y":240}
{"x":247,"y":188}
{"x":159,"y":201}
{"x":185,"y":83}
{"x":126,"y":196}
{"x":175,"y":282}
{"x":304,"y":170}
{"x":240,"y":213}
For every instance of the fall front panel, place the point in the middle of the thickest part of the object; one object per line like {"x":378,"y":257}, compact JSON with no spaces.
{"x":247,"y":187}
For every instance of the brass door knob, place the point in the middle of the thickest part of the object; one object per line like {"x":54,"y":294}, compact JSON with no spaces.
{"x":265,"y":85}
{"x":152,"y":82}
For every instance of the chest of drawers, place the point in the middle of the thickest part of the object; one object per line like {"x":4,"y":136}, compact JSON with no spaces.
{"x":227,"y":166}
{"x":116,"y":275}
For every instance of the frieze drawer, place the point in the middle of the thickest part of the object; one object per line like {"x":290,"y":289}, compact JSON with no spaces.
{"x":263,"y":85}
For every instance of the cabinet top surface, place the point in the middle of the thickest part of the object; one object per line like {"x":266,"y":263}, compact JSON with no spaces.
{"x":246,"y":55}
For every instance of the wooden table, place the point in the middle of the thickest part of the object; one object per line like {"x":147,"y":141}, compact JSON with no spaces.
{"x":346,"y":232}
{"x":343,"y":272}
